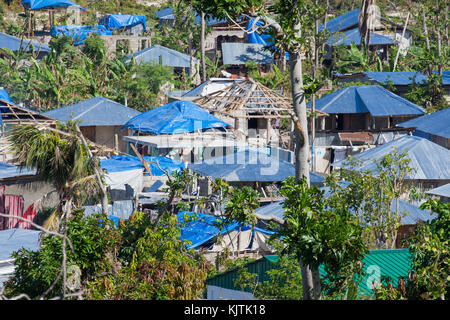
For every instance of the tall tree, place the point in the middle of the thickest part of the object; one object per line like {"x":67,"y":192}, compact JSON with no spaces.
{"x":288,"y":22}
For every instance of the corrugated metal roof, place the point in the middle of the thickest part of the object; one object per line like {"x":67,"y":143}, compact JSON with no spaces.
{"x":248,"y":165}
{"x":436,"y":123}
{"x":14,"y":43}
{"x":11,"y":171}
{"x":211,"y":85}
{"x":14,"y":239}
{"x":405,"y":77}
{"x":374,"y":99}
{"x":239,"y":53}
{"x":430,"y":160}
{"x":168,"y":14}
{"x":97,"y":111}
{"x":394,"y":263}
{"x":354,"y":36}
{"x":442,"y":191}
{"x":275,"y":211}
{"x":167,"y":57}
{"x":342,"y":22}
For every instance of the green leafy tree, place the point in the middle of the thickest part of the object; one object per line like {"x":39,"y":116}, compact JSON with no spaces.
{"x":319,"y":234}
{"x":370,"y":195}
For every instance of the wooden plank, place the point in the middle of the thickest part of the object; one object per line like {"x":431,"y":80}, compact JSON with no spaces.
{"x":142,"y":159}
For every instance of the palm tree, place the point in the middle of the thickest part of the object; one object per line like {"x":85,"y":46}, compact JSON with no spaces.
{"x":62,"y":159}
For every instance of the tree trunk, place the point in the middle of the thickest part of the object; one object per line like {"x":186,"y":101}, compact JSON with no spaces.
{"x":202,"y":47}
{"x":97,"y":174}
{"x":307,"y":282}
{"x":302,"y":152}
{"x":302,"y":158}
{"x":317,"y":292}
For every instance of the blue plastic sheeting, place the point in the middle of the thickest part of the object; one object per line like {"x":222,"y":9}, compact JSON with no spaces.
{"x":203,"y":229}
{"x":14,"y":239}
{"x":49,"y":4}
{"x":4,"y":96}
{"x":442,"y":191}
{"x":199,"y":228}
{"x":342,"y":22}
{"x":373,"y":99}
{"x":14,"y":43}
{"x":127,"y":162}
{"x":119,"y":21}
{"x":175,"y":117}
{"x":428,"y":159}
{"x":264,"y":39}
{"x":79,"y":33}
{"x":248,"y":165}
{"x":436,"y":123}
{"x":97,"y":111}
{"x":118,"y":210}
{"x":164,"y":56}
{"x":236,"y":53}
{"x":354,"y":36}
{"x":11,"y":171}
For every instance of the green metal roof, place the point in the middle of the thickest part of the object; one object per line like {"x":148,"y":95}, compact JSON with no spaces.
{"x":395,"y":264}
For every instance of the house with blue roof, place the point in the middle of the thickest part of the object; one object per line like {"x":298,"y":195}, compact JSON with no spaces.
{"x":434,"y":127}
{"x":15,"y":44}
{"x":442,"y":192}
{"x":130,"y":24}
{"x":157,"y":54}
{"x":402,"y":81}
{"x":344,"y":30}
{"x":428,"y":160}
{"x":222,"y":31}
{"x":100,"y":120}
{"x":365,"y":107}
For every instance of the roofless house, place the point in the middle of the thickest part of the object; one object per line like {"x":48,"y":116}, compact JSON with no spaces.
{"x":253,"y":110}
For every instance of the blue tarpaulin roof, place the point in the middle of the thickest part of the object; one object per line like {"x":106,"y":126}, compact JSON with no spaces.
{"x":127,"y":162}
{"x":264,"y":38}
{"x":97,"y":111}
{"x":11,"y":171}
{"x":119,"y":21}
{"x":167,"y":57}
{"x":14,"y":43}
{"x":199,"y":228}
{"x":428,"y":159}
{"x":442,"y":191}
{"x":237,"y":53}
{"x":48,"y":4}
{"x":202,"y":229}
{"x":79,"y":33}
{"x":14,"y":239}
{"x":175,"y":117}
{"x":5,"y":96}
{"x":354,"y":36}
{"x":248,"y":165}
{"x":342,"y":22}
{"x":436,"y":123}
{"x":374,"y":99}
